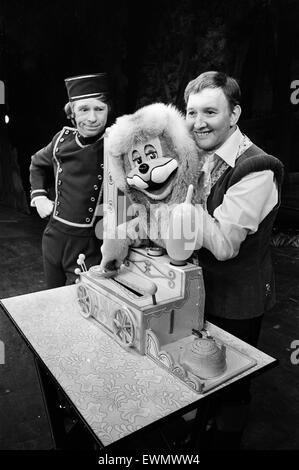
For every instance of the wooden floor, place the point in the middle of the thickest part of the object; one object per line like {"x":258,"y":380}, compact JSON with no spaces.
{"x":274,"y":418}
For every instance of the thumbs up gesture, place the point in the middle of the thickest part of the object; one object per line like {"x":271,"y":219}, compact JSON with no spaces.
{"x":183,"y":229}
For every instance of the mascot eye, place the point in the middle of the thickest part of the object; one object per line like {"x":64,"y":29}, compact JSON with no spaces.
{"x":136,"y":157}
{"x":153,"y":155}
{"x":150,"y":151}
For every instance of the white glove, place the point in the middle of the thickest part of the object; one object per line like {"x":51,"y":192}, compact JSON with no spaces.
{"x":44,"y":206}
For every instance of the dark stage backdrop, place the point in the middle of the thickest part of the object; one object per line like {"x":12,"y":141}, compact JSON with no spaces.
{"x":151,"y":50}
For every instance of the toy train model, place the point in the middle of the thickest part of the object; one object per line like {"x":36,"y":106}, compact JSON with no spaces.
{"x":157,"y":308}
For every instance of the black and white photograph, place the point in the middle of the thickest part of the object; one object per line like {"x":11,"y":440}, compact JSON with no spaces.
{"x":149,"y":232}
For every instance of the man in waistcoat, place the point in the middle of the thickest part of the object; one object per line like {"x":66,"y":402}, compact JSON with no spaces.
{"x":243,"y":185}
{"x":75,"y":155}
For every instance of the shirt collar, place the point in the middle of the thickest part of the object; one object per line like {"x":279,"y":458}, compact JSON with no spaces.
{"x":229,"y":150}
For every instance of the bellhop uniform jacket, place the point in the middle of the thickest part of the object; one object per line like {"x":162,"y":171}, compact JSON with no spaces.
{"x":78,"y":172}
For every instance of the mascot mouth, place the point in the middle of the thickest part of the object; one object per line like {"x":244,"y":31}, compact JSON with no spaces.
{"x":154,"y":178}
{"x":159,"y":191}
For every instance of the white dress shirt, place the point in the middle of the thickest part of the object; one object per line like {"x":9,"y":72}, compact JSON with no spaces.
{"x":244,"y":206}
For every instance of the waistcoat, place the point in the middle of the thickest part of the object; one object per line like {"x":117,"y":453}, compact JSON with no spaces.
{"x":242,"y":287}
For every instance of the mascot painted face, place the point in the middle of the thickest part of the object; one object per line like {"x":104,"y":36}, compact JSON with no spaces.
{"x":153,"y":160}
{"x":153,"y":172}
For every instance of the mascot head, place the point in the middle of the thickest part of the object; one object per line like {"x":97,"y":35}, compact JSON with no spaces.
{"x":152,"y":157}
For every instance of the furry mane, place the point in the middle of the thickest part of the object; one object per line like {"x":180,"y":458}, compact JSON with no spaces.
{"x":148,"y":122}
{"x":152,"y":121}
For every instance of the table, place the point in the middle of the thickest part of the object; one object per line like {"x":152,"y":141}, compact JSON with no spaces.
{"x":115,"y":392}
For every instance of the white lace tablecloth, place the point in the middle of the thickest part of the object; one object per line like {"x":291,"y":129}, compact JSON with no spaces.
{"x":116,"y":391}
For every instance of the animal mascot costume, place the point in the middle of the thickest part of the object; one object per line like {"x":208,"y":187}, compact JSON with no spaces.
{"x":153,"y":160}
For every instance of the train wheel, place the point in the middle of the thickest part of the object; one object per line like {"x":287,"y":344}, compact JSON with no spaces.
{"x":123,"y":326}
{"x":85,"y":301}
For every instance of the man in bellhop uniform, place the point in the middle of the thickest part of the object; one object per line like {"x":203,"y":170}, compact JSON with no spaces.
{"x":76,"y":156}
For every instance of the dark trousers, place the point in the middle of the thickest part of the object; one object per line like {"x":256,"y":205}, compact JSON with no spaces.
{"x":247,"y":330}
{"x":231,"y":408}
{"x":60,"y":254}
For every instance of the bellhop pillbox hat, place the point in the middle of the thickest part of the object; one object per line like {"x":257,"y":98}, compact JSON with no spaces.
{"x":86,"y":86}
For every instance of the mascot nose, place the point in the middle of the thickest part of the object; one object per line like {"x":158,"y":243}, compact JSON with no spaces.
{"x":143,"y":168}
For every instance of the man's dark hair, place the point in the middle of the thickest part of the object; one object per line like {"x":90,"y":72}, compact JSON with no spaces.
{"x":212,"y":79}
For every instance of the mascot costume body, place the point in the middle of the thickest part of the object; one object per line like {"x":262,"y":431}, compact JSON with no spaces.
{"x":153,"y":160}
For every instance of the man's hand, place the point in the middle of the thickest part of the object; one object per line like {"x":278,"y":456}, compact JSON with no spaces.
{"x":44,"y":206}
{"x":185,"y":229}
{"x":114,"y":252}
